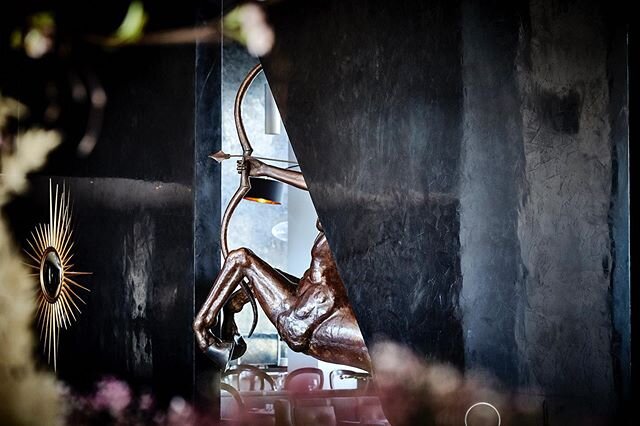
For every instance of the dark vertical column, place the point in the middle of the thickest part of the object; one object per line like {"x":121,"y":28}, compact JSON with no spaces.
{"x":632,"y":90}
{"x":563,"y":222}
{"x":619,"y":210}
{"x":491,"y":178}
{"x":207,"y":201}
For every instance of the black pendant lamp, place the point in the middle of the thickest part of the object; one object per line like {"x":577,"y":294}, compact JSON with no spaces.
{"x":265,"y":191}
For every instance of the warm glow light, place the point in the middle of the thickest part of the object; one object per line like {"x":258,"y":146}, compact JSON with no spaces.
{"x":261,"y":200}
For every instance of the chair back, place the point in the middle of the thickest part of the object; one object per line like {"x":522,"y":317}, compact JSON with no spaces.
{"x":240,"y":406}
{"x":254,"y":375}
{"x":304,"y":379}
{"x":282,"y":411}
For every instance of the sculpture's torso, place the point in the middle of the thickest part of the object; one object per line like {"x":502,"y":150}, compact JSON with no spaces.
{"x":323,"y":269}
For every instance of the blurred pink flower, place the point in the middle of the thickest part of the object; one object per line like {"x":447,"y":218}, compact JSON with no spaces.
{"x":112,"y":395}
{"x":415,"y":391}
{"x":180,"y":413}
{"x":146,"y":402}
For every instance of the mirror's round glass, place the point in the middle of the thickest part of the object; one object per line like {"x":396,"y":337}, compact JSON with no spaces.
{"x":51,"y":274}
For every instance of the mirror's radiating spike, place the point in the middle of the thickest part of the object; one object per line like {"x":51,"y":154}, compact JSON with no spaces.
{"x":35,"y":251}
{"x":54,"y":234}
{"x":68,"y":288}
{"x":55,"y":348}
{"x":70,"y":299}
{"x":31,"y":265}
{"x":76,"y":284}
{"x":68,"y":307}
{"x":40,"y":236}
{"x":38,"y":246}
{"x":50,"y":213}
{"x":47,"y":339}
{"x":39,"y":312}
{"x":66,"y":255}
{"x":66,"y":242}
{"x":61,"y":319}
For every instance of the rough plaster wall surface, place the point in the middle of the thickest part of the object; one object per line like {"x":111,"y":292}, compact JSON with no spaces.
{"x":134,"y":236}
{"x":380,"y":153}
{"x":471,"y":211}
{"x":562,"y":224}
{"x":139,"y":245}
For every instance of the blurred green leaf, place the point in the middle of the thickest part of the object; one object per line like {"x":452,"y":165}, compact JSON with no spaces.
{"x":132,"y":26}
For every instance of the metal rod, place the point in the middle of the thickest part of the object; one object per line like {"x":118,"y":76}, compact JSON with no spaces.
{"x":264,"y":158}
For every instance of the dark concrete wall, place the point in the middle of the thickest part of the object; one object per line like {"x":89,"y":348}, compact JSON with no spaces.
{"x":468,"y":161}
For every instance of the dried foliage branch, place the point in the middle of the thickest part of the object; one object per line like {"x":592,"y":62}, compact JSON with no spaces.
{"x":27,"y":396}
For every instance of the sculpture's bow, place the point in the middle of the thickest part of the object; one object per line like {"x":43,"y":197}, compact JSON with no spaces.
{"x":245,"y":184}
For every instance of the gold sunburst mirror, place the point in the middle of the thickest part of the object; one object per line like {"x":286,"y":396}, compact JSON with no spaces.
{"x":50,"y":253}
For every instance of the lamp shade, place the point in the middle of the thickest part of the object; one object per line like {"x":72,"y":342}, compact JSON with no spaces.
{"x":265,"y":191}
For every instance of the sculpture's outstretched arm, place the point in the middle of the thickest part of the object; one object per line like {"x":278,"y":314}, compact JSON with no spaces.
{"x":290,"y":177}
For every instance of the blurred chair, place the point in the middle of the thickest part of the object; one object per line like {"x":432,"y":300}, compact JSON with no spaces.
{"x":283,"y":414}
{"x":370,"y":411}
{"x":228,"y":416}
{"x":314,"y":416}
{"x":307,"y":414}
{"x":253,"y":374}
{"x":363,"y":379}
{"x":304,"y":379}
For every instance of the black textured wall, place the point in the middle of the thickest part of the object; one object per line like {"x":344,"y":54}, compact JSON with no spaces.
{"x":146,"y":208}
{"x":468,"y":161}
{"x":358,"y":111}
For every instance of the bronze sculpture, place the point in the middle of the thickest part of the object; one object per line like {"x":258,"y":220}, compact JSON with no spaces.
{"x":312,"y":314}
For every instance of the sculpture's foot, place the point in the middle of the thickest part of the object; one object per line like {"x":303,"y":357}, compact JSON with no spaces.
{"x":229,"y":332}
{"x":220,"y":352}
{"x":239,"y":348}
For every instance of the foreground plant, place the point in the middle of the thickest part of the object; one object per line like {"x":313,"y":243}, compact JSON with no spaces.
{"x":28,"y":396}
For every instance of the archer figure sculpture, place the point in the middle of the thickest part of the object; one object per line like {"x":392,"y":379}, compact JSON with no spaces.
{"x":312,"y":314}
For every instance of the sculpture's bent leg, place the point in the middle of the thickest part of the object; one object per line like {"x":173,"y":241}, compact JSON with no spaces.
{"x":229,"y":329}
{"x":240,"y":298}
{"x":227,"y":280}
{"x":270,"y":288}
{"x":338,"y":340}
{"x":234,"y":304}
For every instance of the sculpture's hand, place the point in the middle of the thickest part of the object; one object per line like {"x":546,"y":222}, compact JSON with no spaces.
{"x":256,"y":167}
